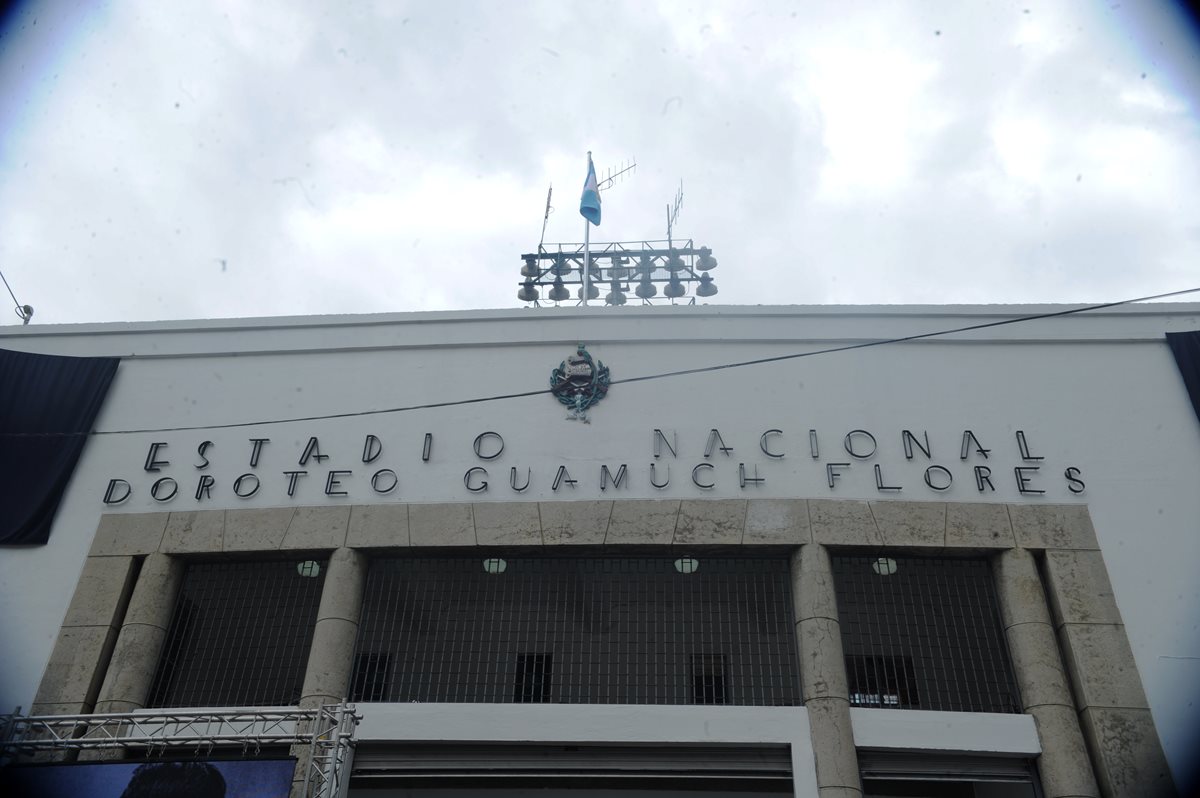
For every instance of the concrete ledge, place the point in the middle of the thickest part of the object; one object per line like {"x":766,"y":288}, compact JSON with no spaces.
{"x":711,"y":522}
{"x":564,"y":723}
{"x":378,"y":526}
{"x":944,"y":732}
{"x":1053,"y":526}
{"x":644,"y":521}
{"x":777,"y":521}
{"x":195,"y":531}
{"x":978,"y":526}
{"x":508,"y":524}
{"x":574,"y":523}
{"x":906,"y":523}
{"x":129,"y":533}
{"x":441,"y":525}
{"x":926,"y":526}
{"x":256,"y":530}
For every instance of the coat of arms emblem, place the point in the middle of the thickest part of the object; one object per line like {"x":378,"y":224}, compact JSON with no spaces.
{"x":579,"y":382}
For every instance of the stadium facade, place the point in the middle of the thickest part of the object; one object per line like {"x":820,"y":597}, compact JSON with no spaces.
{"x":732,"y":549}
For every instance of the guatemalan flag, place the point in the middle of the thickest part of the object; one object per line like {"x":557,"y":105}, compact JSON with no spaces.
{"x":589,"y":204}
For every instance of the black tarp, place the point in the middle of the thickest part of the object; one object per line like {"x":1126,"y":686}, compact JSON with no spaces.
{"x":48,"y":404}
{"x":1186,"y":348}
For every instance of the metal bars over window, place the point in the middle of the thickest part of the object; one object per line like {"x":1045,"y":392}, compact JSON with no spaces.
{"x":923,"y":633}
{"x":240,"y":634}
{"x":598,"y":629}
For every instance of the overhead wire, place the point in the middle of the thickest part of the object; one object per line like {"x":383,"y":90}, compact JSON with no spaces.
{"x":642,"y":378}
{"x":17,"y":306}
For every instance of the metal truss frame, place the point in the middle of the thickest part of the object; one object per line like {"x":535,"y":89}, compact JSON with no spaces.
{"x":328,"y":733}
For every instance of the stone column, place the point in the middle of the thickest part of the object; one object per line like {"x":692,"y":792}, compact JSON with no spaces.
{"x":331,"y":658}
{"x":823,"y":673}
{"x":135,"y":657}
{"x":1108,"y":693}
{"x":1065,"y":768}
{"x":134,"y":661}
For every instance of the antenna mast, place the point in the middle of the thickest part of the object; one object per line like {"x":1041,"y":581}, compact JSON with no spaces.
{"x":673,"y":212}
{"x":546,"y":218}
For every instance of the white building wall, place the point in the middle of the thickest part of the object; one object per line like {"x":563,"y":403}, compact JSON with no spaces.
{"x":1098,"y":392}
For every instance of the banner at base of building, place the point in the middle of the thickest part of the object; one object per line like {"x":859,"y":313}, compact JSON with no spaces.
{"x":244,"y":778}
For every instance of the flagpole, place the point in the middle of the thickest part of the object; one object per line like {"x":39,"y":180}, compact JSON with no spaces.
{"x":587,"y":250}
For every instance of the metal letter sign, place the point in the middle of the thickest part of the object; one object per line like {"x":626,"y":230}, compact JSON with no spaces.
{"x":579,"y":382}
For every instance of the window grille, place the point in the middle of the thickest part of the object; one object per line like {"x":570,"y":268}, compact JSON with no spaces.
{"x":602,"y":628}
{"x":923,"y":633}
{"x":240,"y":634}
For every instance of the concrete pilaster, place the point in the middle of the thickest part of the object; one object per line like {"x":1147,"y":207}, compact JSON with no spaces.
{"x":823,"y":672}
{"x":1065,"y":768}
{"x":331,"y":658}
{"x":135,"y":659}
{"x":1114,"y":713}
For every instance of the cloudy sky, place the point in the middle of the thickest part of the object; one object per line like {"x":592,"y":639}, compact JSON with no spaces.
{"x":165,"y":160}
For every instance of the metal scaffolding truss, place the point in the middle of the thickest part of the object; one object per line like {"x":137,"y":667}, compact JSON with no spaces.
{"x":328,"y":733}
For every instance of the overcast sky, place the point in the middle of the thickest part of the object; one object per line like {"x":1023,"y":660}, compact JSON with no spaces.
{"x":167,"y":160}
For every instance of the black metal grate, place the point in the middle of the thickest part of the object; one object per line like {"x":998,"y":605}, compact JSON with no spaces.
{"x":601,"y":629}
{"x":240,"y":634}
{"x":921,"y":633}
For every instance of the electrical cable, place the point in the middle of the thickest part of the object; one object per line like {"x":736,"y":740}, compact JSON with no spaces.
{"x":16,"y":302}
{"x":643,"y":378}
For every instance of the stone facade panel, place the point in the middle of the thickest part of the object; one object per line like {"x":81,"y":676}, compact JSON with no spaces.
{"x":317,"y":528}
{"x":843,"y":523}
{"x":441,"y":525}
{"x":130,"y":533}
{"x":101,"y":591}
{"x":73,"y":675}
{"x":378,"y":526}
{"x":983,"y":526}
{"x":904,"y":523}
{"x":1131,"y":762}
{"x":198,"y":531}
{"x":720,"y":522}
{"x":508,"y":524}
{"x":1052,"y":526}
{"x":777,"y":521}
{"x":256,"y":530}
{"x":1079,"y":589}
{"x":1100,"y":662}
{"x":574,"y":523}
{"x":650,"y":521}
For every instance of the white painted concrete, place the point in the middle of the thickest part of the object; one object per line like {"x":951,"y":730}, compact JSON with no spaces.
{"x":598,"y":723}
{"x":945,"y":732}
{"x":1099,"y":392}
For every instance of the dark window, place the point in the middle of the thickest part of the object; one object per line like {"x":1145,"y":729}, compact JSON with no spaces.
{"x":533,"y":677}
{"x":708,"y":678}
{"x":580,"y":628}
{"x":881,"y":681}
{"x":923,"y":633}
{"x":240,"y":634}
{"x":374,"y":671}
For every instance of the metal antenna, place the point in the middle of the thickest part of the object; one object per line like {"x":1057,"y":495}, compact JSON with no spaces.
{"x":546,"y":218}
{"x":610,"y":179}
{"x":673,"y":212}
{"x":25,"y":312}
